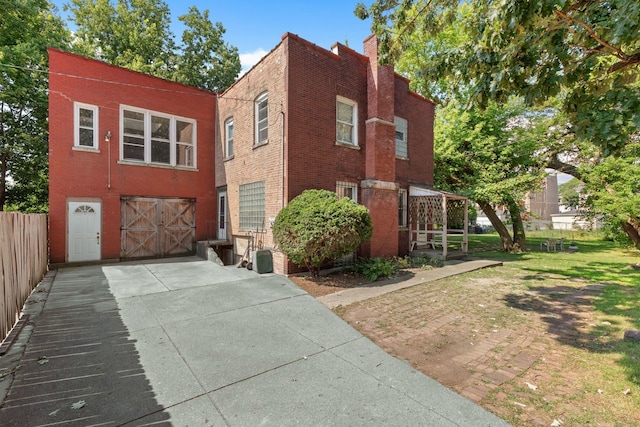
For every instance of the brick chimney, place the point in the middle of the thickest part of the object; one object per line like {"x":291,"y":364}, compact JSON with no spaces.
{"x":379,"y":189}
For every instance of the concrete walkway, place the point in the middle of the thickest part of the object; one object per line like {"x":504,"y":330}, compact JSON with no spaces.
{"x":187,"y":342}
{"x":452,"y":268}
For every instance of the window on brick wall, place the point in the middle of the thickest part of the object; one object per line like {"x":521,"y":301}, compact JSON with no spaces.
{"x":401,"y":137}
{"x":402,"y":208}
{"x":262,"y":119}
{"x":85,"y":118}
{"x":346,"y":121}
{"x":252,"y":206}
{"x":228,"y":138}
{"x":347,"y":189}
{"x":156,"y":138}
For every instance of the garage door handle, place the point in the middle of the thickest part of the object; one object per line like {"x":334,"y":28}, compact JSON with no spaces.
{"x":98,"y":238}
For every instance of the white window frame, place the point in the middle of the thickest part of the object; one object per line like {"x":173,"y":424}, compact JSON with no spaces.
{"x":354,"y":124}
{"x":343,"y":186}
{"x":402,"y":146}
{"x":403,"y":208}
{"x":76,"y":125}
{"x":261,"y":124}
{"x":228,"y":138}
{"x":172,"y":141}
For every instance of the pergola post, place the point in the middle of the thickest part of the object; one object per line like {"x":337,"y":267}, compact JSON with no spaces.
{"x":465,"y":235}
{"x":444,"y":227}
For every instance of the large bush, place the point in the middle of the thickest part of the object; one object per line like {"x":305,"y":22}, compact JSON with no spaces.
{"x":316,"y":227}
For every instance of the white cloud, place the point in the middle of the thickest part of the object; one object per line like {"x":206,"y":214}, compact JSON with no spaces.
{"x":248,"y":60}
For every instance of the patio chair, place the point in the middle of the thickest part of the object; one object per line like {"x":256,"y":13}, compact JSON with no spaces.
{"x":549,"y":244}
{"x":561,"y":243}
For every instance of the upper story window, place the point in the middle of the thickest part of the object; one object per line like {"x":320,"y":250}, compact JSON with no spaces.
{"x":346,"y":121}
{"x":228,"y":138}
{"x":262,"y":119}
{"x":347,"y":189}
{"x":401,"y":137}
{"x":85,"y":118}
{"x":157,"y":138}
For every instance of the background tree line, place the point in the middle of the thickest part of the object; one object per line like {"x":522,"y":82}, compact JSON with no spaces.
{"x":134,"y":34}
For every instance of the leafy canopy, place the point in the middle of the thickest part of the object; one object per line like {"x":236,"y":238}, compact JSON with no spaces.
{"x":27,"y":27}
{"x":317,"y":227}
{"x":136,"y":34}
{"x":586,"y":51}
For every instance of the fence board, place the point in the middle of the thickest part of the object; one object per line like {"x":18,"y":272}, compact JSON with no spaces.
{"x":23,"y":262}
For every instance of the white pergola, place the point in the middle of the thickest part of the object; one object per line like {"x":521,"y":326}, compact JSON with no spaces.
{"x":434,"y":217}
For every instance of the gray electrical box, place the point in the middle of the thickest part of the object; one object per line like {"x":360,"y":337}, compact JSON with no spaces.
{"x":262,"y":261}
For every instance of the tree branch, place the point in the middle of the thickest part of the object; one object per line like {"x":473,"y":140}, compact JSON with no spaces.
{"x":617,"y":52}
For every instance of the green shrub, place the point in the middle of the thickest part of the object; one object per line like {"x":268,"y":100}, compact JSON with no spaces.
{"x":317,"y":227}
{"x":375,"y":268}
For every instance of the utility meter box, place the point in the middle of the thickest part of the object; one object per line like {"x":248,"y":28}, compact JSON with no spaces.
{"x":262,"y":261}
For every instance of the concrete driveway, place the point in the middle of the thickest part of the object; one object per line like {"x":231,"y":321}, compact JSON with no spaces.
{"x":186,"y":342}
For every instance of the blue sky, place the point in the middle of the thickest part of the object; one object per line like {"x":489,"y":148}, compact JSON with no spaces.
{"x":255,"y":27}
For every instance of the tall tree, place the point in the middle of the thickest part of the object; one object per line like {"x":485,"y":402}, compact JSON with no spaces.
{"x":585,"y":53}
{"x":27,"y":27}
{"x":136,"y":34}
{"x":488,"y":155}
{"x":536,"y":48}
{"x":206,"y":61}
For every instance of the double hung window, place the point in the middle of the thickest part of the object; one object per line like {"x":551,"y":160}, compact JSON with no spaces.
{"x":157,"y":138}
{"x":85,"y":119}
{"x":262,"y":119}
{"x":346,"y":121}
{"x":228,"y":138}
{"x":401,"y":137}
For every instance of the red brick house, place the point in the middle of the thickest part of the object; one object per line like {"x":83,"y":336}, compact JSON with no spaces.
{"x":156,"y":166}
{"x":131,"y":166}
{"x":305,"y":117}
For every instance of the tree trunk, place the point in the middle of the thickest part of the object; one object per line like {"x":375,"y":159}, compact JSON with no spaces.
{"x":498,"y":225}
{"x":519,"y":237}
{"x":632,"y":228}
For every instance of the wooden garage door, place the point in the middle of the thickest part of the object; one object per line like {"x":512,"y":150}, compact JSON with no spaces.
{"x":156,"y":227}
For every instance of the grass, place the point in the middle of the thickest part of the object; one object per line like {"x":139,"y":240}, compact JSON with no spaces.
{"x":574,"y":306}
{"x":602,"y":271}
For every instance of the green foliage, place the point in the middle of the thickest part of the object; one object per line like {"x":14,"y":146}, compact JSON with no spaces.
{"x":490,"y":156}
{"x":26,"y":29}
{"x":569,"y":193}
{"x":586,"y":52}
{"x":317,"y":227}
{"x":136,"y":34}
{"x":375,"y":268}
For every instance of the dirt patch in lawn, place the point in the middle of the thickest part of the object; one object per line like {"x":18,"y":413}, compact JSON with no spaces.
{"x":530,"y":348}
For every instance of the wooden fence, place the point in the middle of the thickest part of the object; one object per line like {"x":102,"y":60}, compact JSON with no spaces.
{"x":23,"y":262}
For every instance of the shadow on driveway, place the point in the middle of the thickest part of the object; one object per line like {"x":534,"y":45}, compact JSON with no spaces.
{"x":80,"y":367}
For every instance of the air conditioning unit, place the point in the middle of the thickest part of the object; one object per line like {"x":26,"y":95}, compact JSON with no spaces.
{"x":262,"y":261}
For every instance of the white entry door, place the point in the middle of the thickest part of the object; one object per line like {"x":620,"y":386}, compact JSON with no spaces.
{"x":222,"y":215}
{"x":84,"y":231}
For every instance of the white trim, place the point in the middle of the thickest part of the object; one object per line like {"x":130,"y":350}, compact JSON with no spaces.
{"x":228,"y":141}
{"x":76,"y":125}
{"x":344,"y":185}
{"x":354,"y":125}
{"x":264,"y":96}
{"x":403,"y":208}
{"x":402,"y":144}
{"x":173,"y":142}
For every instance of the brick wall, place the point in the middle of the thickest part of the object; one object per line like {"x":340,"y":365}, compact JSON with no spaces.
{"x":83,"y":175}
{"x":251,"y":163}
